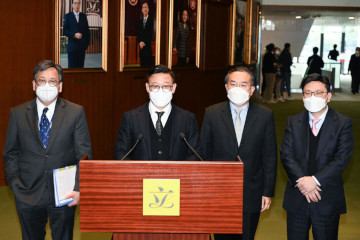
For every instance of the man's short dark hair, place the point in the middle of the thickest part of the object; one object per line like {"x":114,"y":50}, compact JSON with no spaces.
{"x":240,"y":69}
{"x":315,"y":50}
{"x":318,"y":78}
{"x":161,"y":69}
{"x":287,"y":45}
{"x":270,"y":47}
{"x":46,"y":64}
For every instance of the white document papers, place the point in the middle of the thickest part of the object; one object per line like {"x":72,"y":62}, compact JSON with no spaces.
{"x":64,"y":182}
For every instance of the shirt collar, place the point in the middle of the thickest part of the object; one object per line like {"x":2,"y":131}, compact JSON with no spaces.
{"x":153,"y":109}
{"x":233,"y":107}
{"x":322,"y":117}
{"x":40,"y":107}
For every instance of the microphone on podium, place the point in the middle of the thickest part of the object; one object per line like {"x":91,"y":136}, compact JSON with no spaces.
{"x":182,"y":136}
{"x":139,"y":138}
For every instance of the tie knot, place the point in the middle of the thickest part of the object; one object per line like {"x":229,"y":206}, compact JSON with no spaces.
{"x":315,"y":120}
{"x":160,"y":114}
{"x":238,"y":111}
{"x":45,"y":110}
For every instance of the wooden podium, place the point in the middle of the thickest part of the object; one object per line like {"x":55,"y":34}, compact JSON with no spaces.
{"x":211,"y":199}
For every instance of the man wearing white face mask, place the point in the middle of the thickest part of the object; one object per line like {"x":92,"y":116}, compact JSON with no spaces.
{"x":44,"y":134}
{"x":158,"y":124}
{"x":241,"y":128}
{"x":316,"y":149}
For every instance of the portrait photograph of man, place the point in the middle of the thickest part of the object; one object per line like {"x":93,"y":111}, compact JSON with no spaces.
{"x":81,"y":33}
{"x":140,"y":33}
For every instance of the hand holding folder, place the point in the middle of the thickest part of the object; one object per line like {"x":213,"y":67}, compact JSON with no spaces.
{"x":64,"y":182}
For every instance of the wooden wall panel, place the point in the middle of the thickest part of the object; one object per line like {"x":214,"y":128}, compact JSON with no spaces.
{"x":27,"y":36}
{"x":216,"y":34}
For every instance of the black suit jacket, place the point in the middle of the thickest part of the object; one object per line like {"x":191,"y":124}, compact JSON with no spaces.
{"x":137,"y":121}
{"x":71,"y":26}
{"x":257,"y":148}
{"x":334,"y":151}
{"x":28,"y":166}
{"x":145,"y":35}
{"x":315,"y":64}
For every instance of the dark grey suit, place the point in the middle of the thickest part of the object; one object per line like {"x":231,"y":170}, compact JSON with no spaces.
{"x":257,"y":150}
{"x":28,"y":165}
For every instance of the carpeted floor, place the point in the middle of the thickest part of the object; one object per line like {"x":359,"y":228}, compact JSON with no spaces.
{"x":272,"y":224}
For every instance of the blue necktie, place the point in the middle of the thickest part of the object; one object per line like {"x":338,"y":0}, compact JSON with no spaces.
{"x":44,"y":128}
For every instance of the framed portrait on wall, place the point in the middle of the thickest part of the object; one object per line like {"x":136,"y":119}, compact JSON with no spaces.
{"x":254,"y":33}
{"x":240,"y":20}
{"x":81,"y":34}
{"x":184,"y":33}
{"x":139,"y":33}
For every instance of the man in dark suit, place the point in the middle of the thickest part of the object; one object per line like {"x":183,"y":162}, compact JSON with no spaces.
{"x":44,"y":134}
{"x":354,"y":68}
{"x":241,"y":128}
{"x":316,"y":149}
{"x":158,"y":124}
{"x":145,"y":33}
{"x":333,"y":54}
{"x":76,"y":28}
{"x":315,"y":62}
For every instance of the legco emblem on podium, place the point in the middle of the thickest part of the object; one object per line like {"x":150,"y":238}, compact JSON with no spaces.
{"x":161,"y":197}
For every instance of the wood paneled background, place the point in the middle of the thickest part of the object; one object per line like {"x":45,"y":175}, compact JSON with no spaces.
{"x":27,"y":36}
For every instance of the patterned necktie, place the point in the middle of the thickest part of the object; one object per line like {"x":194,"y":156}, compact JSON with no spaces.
{"x":44,"y":128}
{"x":314,"y":130}
{"x":159,"y":126}
{"x":238,"y":126}
{"x":77,"y":17}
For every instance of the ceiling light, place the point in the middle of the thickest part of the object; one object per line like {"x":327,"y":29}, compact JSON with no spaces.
{"x":351,"y":17}
{"x":298,"y":17}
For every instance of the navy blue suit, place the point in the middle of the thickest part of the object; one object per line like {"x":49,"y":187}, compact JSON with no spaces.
{"x":76,"y":47}
{"x":335,"y":147}
{"x":136,"y":122}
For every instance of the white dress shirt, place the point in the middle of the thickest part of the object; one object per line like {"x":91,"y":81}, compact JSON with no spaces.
{"x":154,"y":116}
{"x":49,"y":113}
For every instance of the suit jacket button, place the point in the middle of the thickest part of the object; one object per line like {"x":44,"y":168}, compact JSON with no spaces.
{"x":159,"y":152}
{"x":160,"y":140}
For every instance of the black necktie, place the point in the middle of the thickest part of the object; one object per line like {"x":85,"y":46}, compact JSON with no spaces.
{"x":44,"y":128}
{"x":159,"y":126}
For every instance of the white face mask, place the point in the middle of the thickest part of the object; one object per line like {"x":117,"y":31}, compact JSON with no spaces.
{"x":160,"y":98}
{"x":277,"y":53}
{"x":314,"y":104}
{"x":46,"y":93}
{"x":238,"y":96}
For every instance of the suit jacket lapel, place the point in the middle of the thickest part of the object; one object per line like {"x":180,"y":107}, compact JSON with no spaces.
{"x":144,"y":127}
{"x":227,"y":118}
{"x":57,"y":120}
{"x":175,"y":129}
{"x":304,"y":133}
{"x":326,"y":132}
{"x":249,"y":122}
{"x":32,"y":118}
